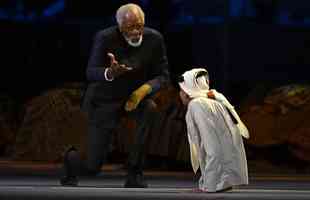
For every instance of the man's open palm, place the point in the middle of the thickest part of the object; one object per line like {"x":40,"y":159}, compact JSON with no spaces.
{"x":116,"y":68}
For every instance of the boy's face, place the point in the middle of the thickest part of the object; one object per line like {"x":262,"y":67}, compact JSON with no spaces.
{"x":184,"y":97}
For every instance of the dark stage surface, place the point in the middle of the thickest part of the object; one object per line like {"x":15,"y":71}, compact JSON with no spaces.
{"x":33,"y":181}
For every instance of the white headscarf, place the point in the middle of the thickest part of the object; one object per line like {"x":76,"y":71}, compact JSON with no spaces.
{"x":196,"y":82}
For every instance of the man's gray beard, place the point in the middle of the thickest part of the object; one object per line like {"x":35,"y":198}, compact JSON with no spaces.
{"x":134,"y":44}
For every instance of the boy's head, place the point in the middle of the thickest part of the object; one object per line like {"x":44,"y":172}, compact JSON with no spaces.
{"x":193,"y":83}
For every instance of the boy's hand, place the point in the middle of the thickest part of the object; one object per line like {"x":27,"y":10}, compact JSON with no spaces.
{"x":211,"y":94}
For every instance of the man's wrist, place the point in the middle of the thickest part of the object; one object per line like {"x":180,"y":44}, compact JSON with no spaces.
{"x":107,"y":74}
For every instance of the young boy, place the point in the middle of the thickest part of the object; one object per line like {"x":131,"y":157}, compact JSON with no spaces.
{"x":215,"y":134}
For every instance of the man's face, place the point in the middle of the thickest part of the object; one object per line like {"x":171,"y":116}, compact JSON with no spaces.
{"x":132,"y":29}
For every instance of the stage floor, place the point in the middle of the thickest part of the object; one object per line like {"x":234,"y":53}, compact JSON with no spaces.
{"x":33,"y":181}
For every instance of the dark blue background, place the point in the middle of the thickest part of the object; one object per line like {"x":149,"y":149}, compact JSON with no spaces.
{"x":243,"y":43}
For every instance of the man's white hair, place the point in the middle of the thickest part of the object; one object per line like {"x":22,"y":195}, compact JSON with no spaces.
{"x":123,"y":10}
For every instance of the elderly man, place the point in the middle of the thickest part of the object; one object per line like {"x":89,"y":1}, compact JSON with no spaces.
{"x":127,"y":65}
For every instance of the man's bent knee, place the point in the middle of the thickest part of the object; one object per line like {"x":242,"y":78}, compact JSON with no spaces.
{"x":150,"y":105}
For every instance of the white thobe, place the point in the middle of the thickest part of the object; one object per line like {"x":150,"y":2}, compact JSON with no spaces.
{"x":216,"y":145}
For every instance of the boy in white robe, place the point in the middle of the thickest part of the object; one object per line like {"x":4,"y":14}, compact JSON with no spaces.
{"x":215,"y":134}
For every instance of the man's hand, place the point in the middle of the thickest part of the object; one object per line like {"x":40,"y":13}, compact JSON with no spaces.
{"x":137,"y":96}
{"x":115,"y":68}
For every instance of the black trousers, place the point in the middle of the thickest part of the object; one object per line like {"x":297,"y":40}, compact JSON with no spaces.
{"x":102,"y":121}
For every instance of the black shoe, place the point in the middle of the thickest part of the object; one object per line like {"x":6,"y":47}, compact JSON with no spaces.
{"x":135,"y":181}
{"x":69,"y":181}
{"x":70,"y":164}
